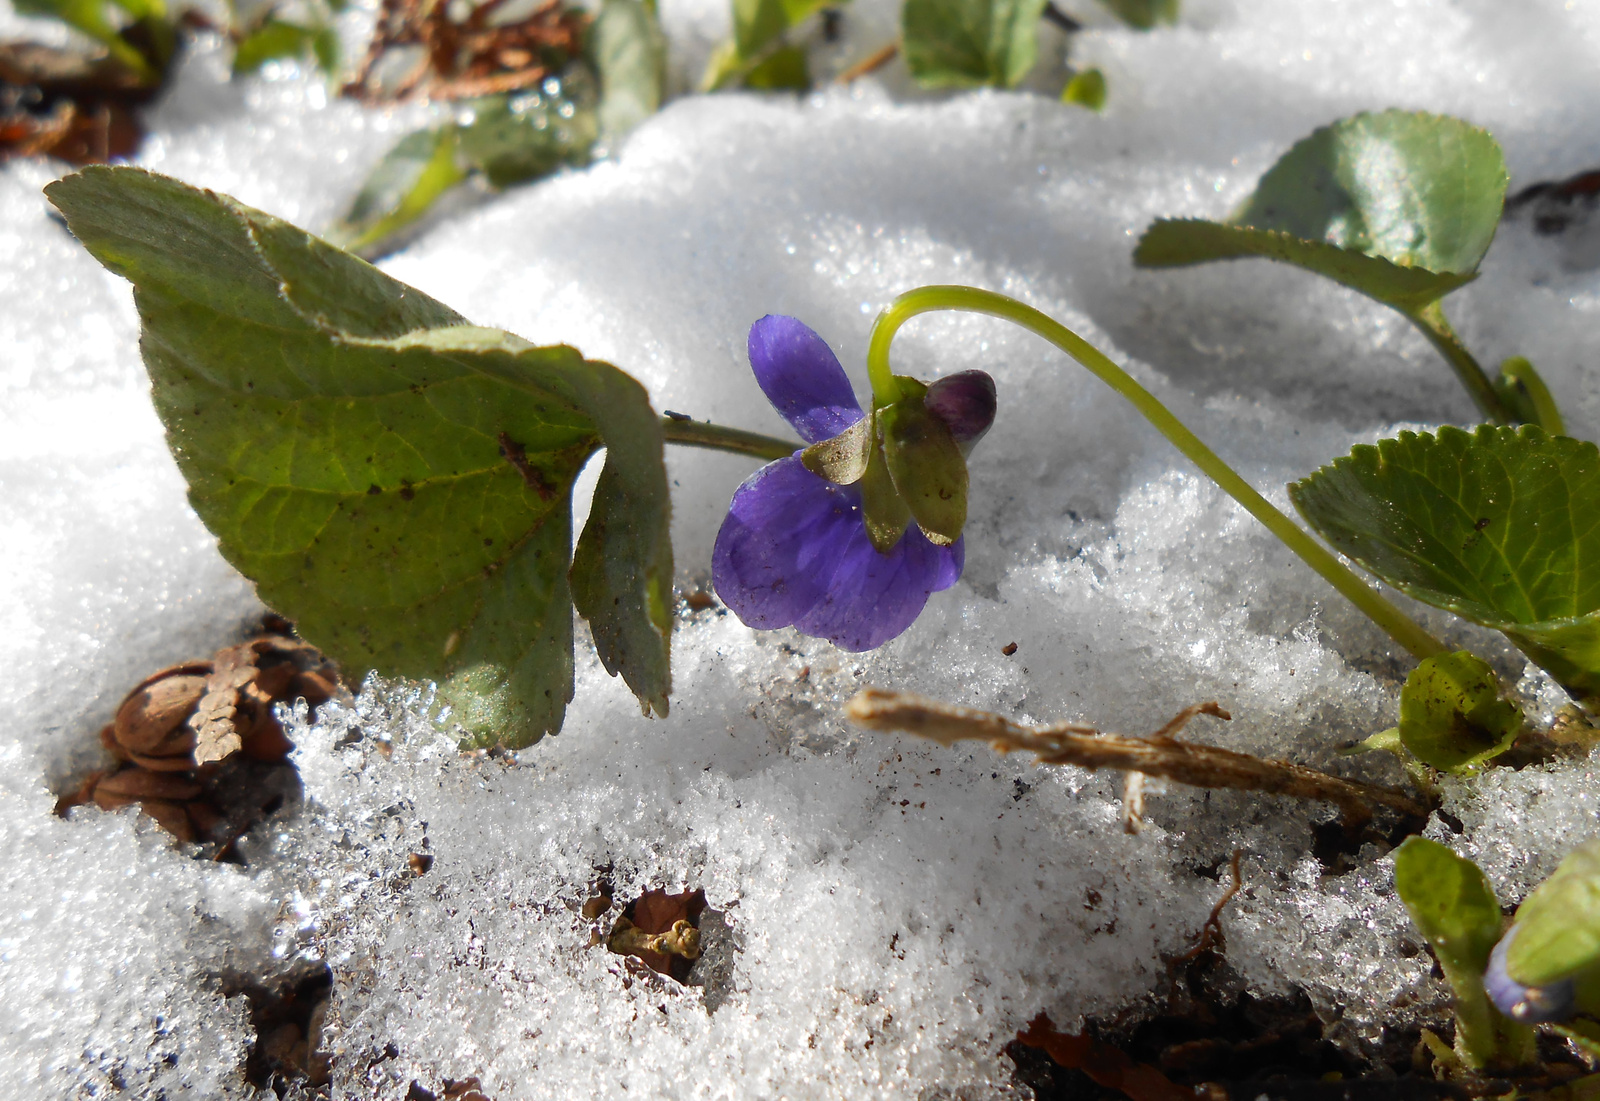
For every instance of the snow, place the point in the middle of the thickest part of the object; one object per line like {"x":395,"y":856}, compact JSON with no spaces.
{"x":898,"y":910}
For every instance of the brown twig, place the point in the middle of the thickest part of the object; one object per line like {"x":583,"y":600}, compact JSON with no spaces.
{"x":869,"y":64}
{"x":1160,"y":754}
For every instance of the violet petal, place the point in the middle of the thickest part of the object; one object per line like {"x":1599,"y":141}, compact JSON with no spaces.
{"x":1528,"y":1004}
{"x":779,"y":545}
{"x":802,"y":378}
{"x":874,"y":597}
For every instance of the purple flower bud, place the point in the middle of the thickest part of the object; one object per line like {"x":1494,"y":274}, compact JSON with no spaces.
{"x":1527,"y":1004}
{"x":965,"y":402}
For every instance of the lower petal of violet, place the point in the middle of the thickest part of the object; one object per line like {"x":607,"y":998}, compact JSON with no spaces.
{"x":794,"y":551}
{"x":874,"y":597}
{"x":779,"y":545}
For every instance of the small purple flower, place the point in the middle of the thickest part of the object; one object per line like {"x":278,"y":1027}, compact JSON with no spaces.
{"x":1529,"y":1004}
{"x":793,"y":551}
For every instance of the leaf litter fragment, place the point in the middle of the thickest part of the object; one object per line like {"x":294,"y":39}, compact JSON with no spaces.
{"x":340,"y":435}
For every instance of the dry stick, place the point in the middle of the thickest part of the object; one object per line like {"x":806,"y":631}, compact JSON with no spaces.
{"x":1158,"y":755}
{"x":869,"y":64}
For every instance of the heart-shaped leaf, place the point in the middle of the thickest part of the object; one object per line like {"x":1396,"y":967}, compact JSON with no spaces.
{"x":970,"y":43}
{"x":396,"y":481}
{"x":1398,"y":205}
{"x":1500,"y":526}
{"x":1452,"y":716}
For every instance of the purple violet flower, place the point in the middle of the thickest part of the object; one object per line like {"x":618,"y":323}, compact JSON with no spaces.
{"x":1528,"y":1004}
{"x":793,"y":551}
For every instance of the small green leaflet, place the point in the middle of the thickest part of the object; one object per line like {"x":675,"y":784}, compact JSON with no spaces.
{"x":1452,"y":904}
{"x":970,"y":43}
{"x":1558,"y":925}
{"x":395,"y":480}
{"x":627,"y":50}
{"x":1086,"y":89}
{"x":1398,"y":205}
{"x":1500,"y":526}
{"x":1451,"y":713}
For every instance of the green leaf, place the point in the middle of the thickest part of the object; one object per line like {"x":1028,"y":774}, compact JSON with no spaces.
{"x":1558,"y":925}
{"x":925,"y":463}
{"x":395,"y":480}
{"x":970,"y":43}
{"x":405,"y":184}
{"x":1087,"y":88}
{"x":1450,"y":902}
{"x":273,"y":39}
{"x":757,"y":24}
{"x":1453,"y":906}
{"x":783,"y":70}
{"x":1178,"y":242}
{"x":1527,"y":397}
{"x":93,"y":18}
{"x":629,"y":54}
{"x":1451,"y":713}
{"x":723,"y":69}
{"x":516,"y":138}
{"x":1500,"y":526}
{"x":1144,"y":14}
{"x":1384,"y":741}
{"x":1398,"y":205}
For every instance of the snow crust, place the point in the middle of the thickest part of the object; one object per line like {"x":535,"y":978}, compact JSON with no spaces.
{"x":898,"y":910}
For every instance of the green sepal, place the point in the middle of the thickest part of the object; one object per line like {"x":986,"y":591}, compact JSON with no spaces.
{"x":1498,"y":526}
{"x":882,"y":509}
{"x":842,"y":459}
{"x":1527,"y":397}
{"x":1452,"y":715}
{"x":925,"y":463}
{"x":1558,"y":924}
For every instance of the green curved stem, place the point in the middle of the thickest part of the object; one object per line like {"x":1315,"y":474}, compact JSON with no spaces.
{"x":714,"y":437}
{"x":1431,"y":321}
{"x":1401,"y":627}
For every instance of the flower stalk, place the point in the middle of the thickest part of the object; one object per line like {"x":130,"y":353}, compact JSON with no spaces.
{"x":1401,"y":627}
{"x":715,"y":437}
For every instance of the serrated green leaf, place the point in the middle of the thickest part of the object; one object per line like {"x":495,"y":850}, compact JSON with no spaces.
{"x":925,"y":463}
{"x":409,"y":179}
{"x":1558,"y":925}
{"x":1087,"y":88}
{"x":629,"y":54}
{"x":396,"y":481}
{"x":273,"y":39}
{"x":1144,"y":14}
{"x":1398,"y":205}
{"x":970,"y":43}
{"x":1500,"y":526}
{"x":1452,"y":716}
